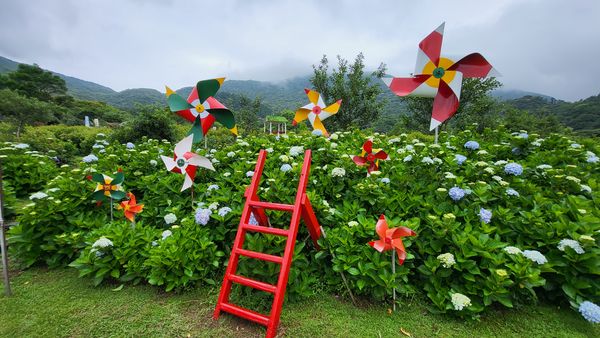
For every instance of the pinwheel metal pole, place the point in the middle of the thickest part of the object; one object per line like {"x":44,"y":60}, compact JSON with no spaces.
{"x":341,"y":272}
{"x":436,"y":135}
{"x":7,"y":290}
{"x":394,"y":273}
{"x":111,"y":209}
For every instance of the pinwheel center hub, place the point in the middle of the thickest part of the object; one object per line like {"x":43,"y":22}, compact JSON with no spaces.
{"x":126,"y":207}
{"x":180,"y":162}
{"x":439,"y":72}
{"x":388,"y":240}
{"x":316,"y":110}
{"x":370,"y":157}
{"x":106,"y":187}
{"x":199,"y":108}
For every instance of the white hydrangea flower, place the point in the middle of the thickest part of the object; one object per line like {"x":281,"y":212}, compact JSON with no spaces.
{"x":407,"y":158}
{"x":166,"y":234}
{"x":573,"y":179}
{"x":153,"y":163}
{"x":482,"y":152}
{"x":102,"y":242}
{"x":460,"y":301}
{"x":535,"y":256}
{"x":284,"y":158}
{"x":352,"y":223}
{"x":334,"y":136}
{"x":447,"y":259}
{"x":450,"y":175}
{"x":544,"y":166}
{"x":489,"y":170}
{"x":497,"y":178}
{"x":500,"y":163}
{"x":586,"y":188}
{"x":512,"y":250}
{"x":296,"y":150}
{"x":170,"y":218}
{"x":38,"y":196}
{"x":427,"y":160}
{"x":230,"y":154}
{"x":338,"y":172}
{"x":573,"y":244}
{"x":213,"y":206}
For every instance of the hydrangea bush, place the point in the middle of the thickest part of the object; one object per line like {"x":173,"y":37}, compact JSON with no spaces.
{"x":493,"y":226}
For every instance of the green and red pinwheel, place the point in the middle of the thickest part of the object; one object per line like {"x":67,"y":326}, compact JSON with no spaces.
{"x":108,"y":187}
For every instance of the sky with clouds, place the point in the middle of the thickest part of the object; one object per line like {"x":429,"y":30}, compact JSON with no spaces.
{"x":546,"y":46}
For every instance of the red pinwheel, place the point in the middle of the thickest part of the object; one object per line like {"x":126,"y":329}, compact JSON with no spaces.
{"x":185,"y":162}
{"x":370,"y":157}
{"x":391,"y":239}
{"x":130,"y":207}
{"x":440,"y":76}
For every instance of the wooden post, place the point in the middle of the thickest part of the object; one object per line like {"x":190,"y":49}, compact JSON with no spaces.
{"x":7,"y":290}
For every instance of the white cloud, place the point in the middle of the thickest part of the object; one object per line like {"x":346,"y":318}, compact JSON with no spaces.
{"x":545,"y":46}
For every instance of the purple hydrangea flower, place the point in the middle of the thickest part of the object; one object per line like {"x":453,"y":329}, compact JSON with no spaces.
{"x":130,"y":145}
{"x":203,"y":216}
{"x":460,"y":159}
{"x":590,"y":311}
{"x":286,"y":167}
{"x":472,"y":145}
{"x":485,"y":215}
{"x":456,"y":193}
{"x":513,"y":169}
{"x":224,"y":211}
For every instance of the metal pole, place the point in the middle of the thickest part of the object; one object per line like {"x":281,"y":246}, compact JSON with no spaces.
{"x":7,"y":290}
{"x":436,"y":135}
{"x":341,"y":272}
{"x":111,"y":209}
{"x":394,"y":273}
{"x":206,"y":141}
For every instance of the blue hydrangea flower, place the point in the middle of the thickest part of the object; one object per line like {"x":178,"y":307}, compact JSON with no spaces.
{"x":213,"y":187}
{"x":516,"y":151}
{"x":512,"y":192}
{"x":590,"y":311}
{"x":130,"y":145}
{"x":456,"y":193}
{"x":252,"y":220}
{"x":460,"y":159}
{"x":89,"y":158}
{"x":249,"y":173}
{"x":385,"y":180}
{"x":286,"y":167}
{"x":224,"y":211}
{"x":472,"y":145}
{"x":202,"y":216}
{"x":513,"y":169}
{"x":485,"y":215}
{"x":523,"y":135}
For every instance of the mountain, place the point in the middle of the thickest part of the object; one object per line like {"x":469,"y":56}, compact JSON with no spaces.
{"x":512,"y":94}
{"x":583,"y":115}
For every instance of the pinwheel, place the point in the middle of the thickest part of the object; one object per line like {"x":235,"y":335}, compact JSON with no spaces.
{"x":370,"y":157}
{"x":440,"y":77}
{"x":108,"y":188}
{"x":391,"y":239}
{"x":130,"y":207}
{"x":201,"y":108}
{"x":316,"y":111}
{"x":185,"y":162}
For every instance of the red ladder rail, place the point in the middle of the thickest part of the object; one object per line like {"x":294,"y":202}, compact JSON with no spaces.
{"x":301,"y":209}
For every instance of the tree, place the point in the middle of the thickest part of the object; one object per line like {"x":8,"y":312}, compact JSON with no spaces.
{"x":476,"y":106}
{"x":247,"y":116}
{"x":33,"y":81}
{"x":152,"y":121}
{"x":21,"y":110}
{"x":359,"y":95}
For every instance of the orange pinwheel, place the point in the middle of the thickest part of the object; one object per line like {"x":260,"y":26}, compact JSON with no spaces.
{"x":390,"y":239}
{"x":130,"y":208}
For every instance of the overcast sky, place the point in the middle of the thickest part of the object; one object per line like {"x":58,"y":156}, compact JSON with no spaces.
{"x":546,"y":46}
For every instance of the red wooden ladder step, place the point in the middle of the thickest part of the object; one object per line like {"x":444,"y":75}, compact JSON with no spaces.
{"x":266,"y":230}
{"x":245,"y":313}
{"x":253,"y":283}
{"x":258,"y":255}
{"x":301,"y":209}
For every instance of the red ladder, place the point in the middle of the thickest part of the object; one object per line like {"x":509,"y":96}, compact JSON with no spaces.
{"x":300,"y":209}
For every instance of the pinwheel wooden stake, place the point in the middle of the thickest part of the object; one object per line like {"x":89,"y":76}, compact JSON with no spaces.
{"x":440,"y":77}
{"x":316,"y":111}
{"x":391,"y":239}
{"x":370,"y":157}
{"x":130,"y":207}
{"x":201,"y":108}
{"x":108,"y":188}
{"x":185,"y":162}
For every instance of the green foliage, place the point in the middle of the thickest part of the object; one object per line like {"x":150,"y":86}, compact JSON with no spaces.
{"x":34,"y":82}
{"x":152,"y":122}
{"x":25,"y":171}
{"x":553,"y":204}
{"x":348,"y":82}
{"x":247,"y":116}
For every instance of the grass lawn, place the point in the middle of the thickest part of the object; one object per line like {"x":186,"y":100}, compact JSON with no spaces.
{"x":56,"y":303}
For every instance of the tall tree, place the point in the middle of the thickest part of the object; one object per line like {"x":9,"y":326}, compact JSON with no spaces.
{"x":247,"y":116}
{"x":33,"y":81}
{"x":358,"y":92}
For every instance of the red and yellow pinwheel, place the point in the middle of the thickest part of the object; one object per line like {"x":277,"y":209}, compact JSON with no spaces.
{"x":370,"y":157}
{"x":201,"y":108}
{"x":316,"y":111}
{"x":391,"y":239}
{"x":185,"y":162}
{"x":130,"y":207}
{"x":440,"y":77}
